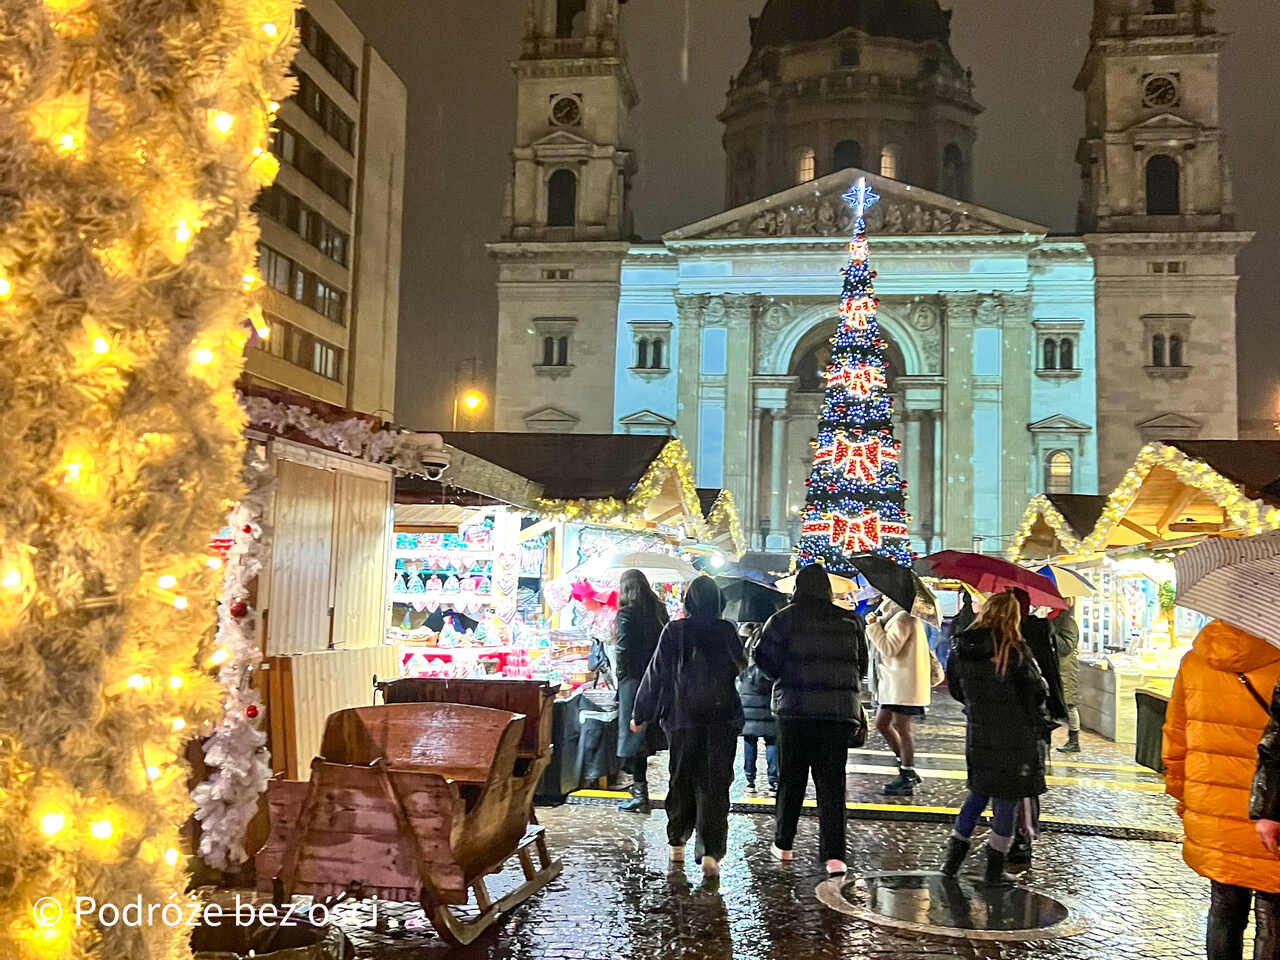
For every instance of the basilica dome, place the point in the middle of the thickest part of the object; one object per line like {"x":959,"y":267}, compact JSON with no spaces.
{"x":801,"y":21}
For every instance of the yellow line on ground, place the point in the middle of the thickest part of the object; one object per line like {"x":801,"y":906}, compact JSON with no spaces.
{"x":1053,"y":761}
{"x":927,"y":774}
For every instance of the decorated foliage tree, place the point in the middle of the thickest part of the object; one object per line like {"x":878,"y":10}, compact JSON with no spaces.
{"x":857,"y":499}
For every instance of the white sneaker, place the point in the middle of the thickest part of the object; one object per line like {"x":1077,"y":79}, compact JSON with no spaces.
{"x":836,"y":868}
{"x":786,"y":856}
{"x":710,"y":867}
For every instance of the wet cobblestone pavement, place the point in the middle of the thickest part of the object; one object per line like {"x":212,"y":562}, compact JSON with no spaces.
{"x":617,"y":898}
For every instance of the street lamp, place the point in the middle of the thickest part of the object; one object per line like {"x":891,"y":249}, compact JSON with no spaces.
{"x":473,"y":400}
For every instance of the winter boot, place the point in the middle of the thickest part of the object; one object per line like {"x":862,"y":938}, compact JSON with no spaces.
{"x":957,"y":850}
{"x":1073,"y":743}
{"x":995,"y":875}
{"x":903,"y":785}
{"x":1020,"y":853}
{"x":639,"y":802}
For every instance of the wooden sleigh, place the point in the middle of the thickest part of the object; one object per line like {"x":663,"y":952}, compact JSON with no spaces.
{"x":414,"y":802}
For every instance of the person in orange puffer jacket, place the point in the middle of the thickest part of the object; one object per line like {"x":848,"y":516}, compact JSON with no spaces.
{"x":1211,"y":735}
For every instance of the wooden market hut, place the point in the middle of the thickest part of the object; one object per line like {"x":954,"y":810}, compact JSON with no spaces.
{"x":1055,"y":526}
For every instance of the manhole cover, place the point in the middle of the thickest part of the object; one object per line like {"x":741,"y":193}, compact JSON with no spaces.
{"x":962,"y":907}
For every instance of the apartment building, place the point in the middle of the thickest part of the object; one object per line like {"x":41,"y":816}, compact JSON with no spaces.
{"x":331,"y":223}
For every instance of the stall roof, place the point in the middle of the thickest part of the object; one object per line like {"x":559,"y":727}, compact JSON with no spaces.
{"x":723,"y":525}
{"x":568,"y":466}
{"x":1056,"y":524}
{"x":1185,"y":488}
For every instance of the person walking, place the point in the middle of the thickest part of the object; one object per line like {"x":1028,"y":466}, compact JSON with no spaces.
{"x":902,"y":686}
{"x":816,"y":654}
{"x":1212,"y":729}
{"x":1264,"y":802}
{"x":690,"y":688}
{"x":756,"y":692}
{"x":641,"y":617}
{"x":1066,"y":639}
{"x":994,"y":675}
{"x":965,"y":616}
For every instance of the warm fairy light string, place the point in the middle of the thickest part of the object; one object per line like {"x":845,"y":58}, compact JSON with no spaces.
{"x":672,"y":461}
{"x":856,"y":500}
{"x":137,"y":137}
{"x":1041,"y":506}
{"x":725,"y":511}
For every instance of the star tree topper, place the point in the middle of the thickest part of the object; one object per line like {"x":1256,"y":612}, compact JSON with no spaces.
{"x":861,"y":197}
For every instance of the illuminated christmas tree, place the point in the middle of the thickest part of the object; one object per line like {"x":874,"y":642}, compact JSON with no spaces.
{"x":857,"y":498}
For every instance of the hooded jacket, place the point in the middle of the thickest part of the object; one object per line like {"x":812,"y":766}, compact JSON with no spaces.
{"x":1005,"y":716}
{"x":755,"y":689}
{"x":1265,"y":802}
{"x":1211,"y":734}
{"x":902,"y":668}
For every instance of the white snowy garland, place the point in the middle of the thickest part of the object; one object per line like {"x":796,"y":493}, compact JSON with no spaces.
{"x":236,"y":753}
{"x":356,"y":437}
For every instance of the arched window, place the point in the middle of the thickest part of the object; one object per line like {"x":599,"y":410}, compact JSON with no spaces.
{"x":562,"y":199}
{"x":655,"y":355}
{"x":571,"y":17}
{"x":806,"y":164}
{"x":1058,"y":470}
{"x":1066,"y":354}
{"x":562,"y":352}
{"x":1163,"y":199}
{"x":1175,"y":351}
{"x":1157,"y":350}
{"x":1162,"y":6}
{"x":848,"y":154}
{"x":953,"y":171}
{"x":1050,"y":355}
{"x":890,"y":161}
{"x":642,"y":354}
{"x":548,"y":351}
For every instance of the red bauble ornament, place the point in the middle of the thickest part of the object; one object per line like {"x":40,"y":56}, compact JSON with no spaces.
{"x":238,"y":608}
{"x":251,"y":711}
{"x":246,"y":529}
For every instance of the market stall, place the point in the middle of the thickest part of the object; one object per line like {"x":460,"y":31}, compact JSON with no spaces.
{"x":1133,"y":634}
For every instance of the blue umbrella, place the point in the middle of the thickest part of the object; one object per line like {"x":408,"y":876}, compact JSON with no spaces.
{"x":1068,"y":582}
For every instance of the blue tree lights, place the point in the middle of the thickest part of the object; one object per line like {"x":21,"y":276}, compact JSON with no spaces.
{"x":857,"y":498}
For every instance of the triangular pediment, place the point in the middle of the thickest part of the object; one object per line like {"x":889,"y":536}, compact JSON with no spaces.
{"x":1170,"y":421}
{"x":551,"y":420}
{"x":562,"y":138}
{"x":646,"y":418}
{"x":818,"y":209}
{"x":1165,"y":121}
{"x":1058,"y":423}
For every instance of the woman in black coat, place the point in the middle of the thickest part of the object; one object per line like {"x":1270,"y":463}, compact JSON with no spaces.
{"x":995,"y":676}
{"x":641,"y":617}
{"x":690,"y":688}
{"x":756,"y":691}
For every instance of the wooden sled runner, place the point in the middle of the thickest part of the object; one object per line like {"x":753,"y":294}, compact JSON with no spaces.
{"x":413,"y":802}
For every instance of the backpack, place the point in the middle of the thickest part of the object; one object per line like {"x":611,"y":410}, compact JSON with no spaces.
{"x":705,"y":687}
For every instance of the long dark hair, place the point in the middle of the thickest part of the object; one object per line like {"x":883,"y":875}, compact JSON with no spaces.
{"x":702,"y":599}
{"x":635,"y":592}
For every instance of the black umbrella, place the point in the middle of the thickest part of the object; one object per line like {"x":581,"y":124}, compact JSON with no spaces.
{"x":900,"y":584}
{"x":747,"y":601}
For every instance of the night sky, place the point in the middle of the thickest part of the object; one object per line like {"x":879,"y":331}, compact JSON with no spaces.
{"x":454,"y":56}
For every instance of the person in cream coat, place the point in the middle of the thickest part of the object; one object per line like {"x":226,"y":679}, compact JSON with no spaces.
{"x":902,"y":686}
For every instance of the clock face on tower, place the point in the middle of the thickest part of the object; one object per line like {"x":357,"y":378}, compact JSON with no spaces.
{"x":566,"y":112}
{"x":1160,"y":91}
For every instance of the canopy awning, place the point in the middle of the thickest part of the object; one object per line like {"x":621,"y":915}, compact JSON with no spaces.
{"x":1056,"y":525}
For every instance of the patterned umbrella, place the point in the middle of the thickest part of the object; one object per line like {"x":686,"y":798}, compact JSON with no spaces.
{"x":1235,"y":581}
{"x":1068,"y":582}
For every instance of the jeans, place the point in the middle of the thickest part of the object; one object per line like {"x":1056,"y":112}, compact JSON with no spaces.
{"x":820,"y":747}
{"x":698,"y":797}
{"x":1228,"y":917}
{"x":749,"y":749}
{"x":1002,"y":814}
{"x":1073,"y":719}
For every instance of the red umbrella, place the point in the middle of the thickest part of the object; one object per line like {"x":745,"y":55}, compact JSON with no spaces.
{"x":991,"y":575}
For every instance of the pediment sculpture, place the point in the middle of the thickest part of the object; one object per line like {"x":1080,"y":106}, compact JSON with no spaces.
{"x":831,"y":217}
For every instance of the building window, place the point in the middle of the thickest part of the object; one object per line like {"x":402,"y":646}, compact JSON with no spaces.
{"x":316,"y":104}
{"x":320,"y":45}
{"x":890,"y":161}
{"x":848,"y":154}
{"x":1175,"y":351}
{"x":276,"y":270}
{"x":300,"y":284}
{"x":312,"y":164}
{"x":1157,"y":350}
{"x":553,"y":336}
{"x":1050,"y":355}
{"x":557,"y":274}
{"x":562,"y":199}
{"x":953,"y":171}
{"x":1058,"y":469}
{"x":849,"y":57}
{"x":287,"y":210}
{"x":555,"y":351}
{"x":571,"y":16}
{"x":642,"y":354}
{"x":1066,"y":354}
{"x":1162,"y":186}
{"x":1162,"y":6}
{"x":806,"y":164}
{"x":303,"y":349}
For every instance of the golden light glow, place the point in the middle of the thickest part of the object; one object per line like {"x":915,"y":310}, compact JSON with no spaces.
{"x":153,"y":772}
{"x":472,"y":400}
{"x":182,"y":231}
{"x":220,"y":656}
{"x":175,"y":682}
{"x":180,"y":603}
{"x":171,"y":857}
{"x":273,"y":107}
{"x":51,"y":824}
{"x":136,"y":682}
{"x":223,"y":122}
{"x":214,"y":563}
{"x":12,"y":580}
{"x":270,"y":29}
{"x":167,"y":582}
{"x":100,"y":345}
{"x":179,"y":724}
{"x":204,"y":356}
{"x":101,"y":829}
{"x":6,"y":288}
{"x":67,"y":143}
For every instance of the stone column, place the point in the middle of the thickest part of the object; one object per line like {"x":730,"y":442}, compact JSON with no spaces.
{"x":688,"y":368}
{"x":957,"y":462}
{"x":1015,"y":412}
{"x":912,"y":466}
{"x":750,"y":510}
{"x":739,"y":316}
{"x":778,"y":482}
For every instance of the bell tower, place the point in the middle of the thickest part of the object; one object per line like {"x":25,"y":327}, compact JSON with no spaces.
{"x":571,"y":166}
{"x":1157,"y":215}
